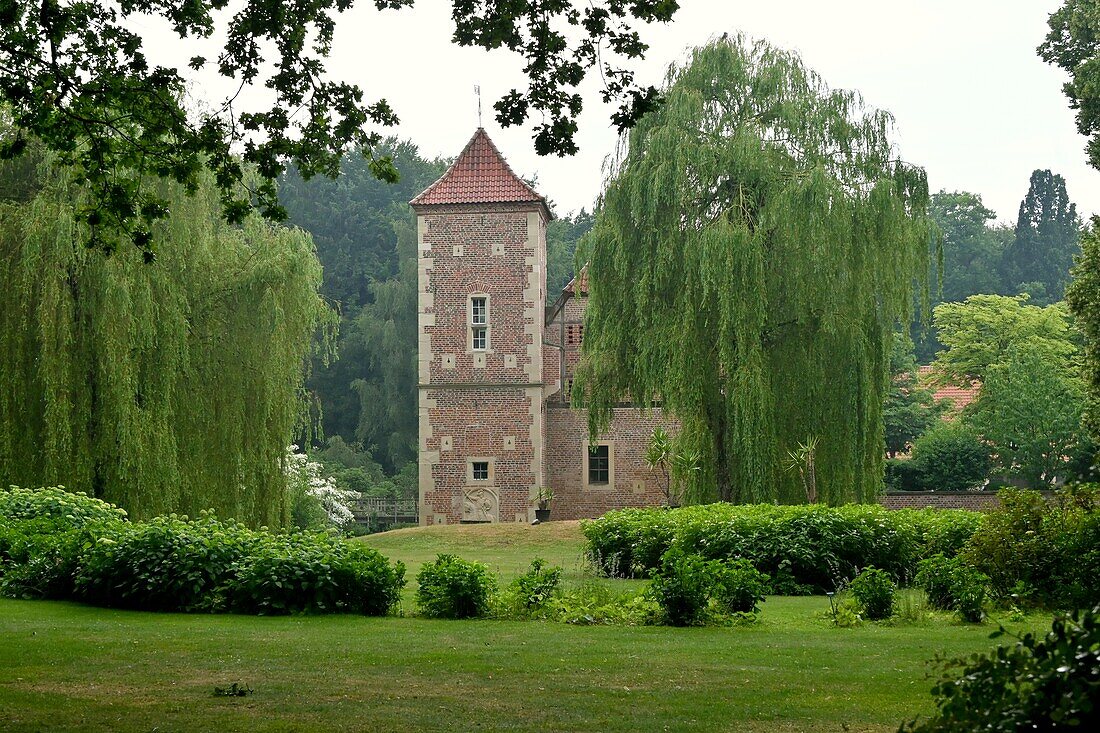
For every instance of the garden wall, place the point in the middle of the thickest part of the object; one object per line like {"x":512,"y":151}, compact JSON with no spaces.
{"x":973,"y":500}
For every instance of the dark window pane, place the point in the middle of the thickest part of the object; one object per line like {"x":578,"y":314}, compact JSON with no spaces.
{"x":481,"y":470}
{"x":599,"y":465}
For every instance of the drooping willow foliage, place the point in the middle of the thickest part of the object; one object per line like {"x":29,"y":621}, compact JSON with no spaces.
{"x":756,"y":245}
{"x":165,"y":387}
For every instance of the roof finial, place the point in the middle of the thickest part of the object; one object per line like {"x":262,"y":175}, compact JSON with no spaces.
{"x":477,"y":91}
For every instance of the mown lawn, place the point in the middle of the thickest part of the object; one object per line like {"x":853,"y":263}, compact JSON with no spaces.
{"x":66,"y":667}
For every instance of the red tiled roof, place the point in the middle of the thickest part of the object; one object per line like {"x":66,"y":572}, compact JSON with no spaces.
{"x":960,"y":396}
{"x":480,"y":175}
{"x":579,"y":284}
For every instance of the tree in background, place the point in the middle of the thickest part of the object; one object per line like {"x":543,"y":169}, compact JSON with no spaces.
{"x":972,"y":249}
{"x":562,"y":236}
{"x":1029,"y":411}
{"x":162,"y":389}
{"x":979,"y":332}
{"x":950,"y":456}
{"x":909,"y":409}
{"x":365,"y":235}
{"x":77,"y":71}
{"x":755,"y":249}
{"x":1073,"y":43}
{"x":1083,"y":296}
{"x":1038,"y":260}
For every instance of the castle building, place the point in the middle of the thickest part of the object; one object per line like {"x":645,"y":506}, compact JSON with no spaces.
{"x":495,"y":362}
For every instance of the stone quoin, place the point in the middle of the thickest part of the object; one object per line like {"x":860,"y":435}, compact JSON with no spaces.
{"x":496,"y":362}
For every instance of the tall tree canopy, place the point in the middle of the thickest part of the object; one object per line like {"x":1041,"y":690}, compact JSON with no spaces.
{"x":163,"y":389}
{"x":972,"y":248}
{"x":1038,"y":261}
{"x":365,"y":235}
{"x":1083,"y":297}
{"x":754,"y":251}
{"x":76,"y":76}
{"x":1073,"y":43}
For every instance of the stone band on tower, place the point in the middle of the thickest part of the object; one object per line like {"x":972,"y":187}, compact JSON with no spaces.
{"x":481,"y":244}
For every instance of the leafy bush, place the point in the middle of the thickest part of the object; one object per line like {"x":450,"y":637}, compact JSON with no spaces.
{"x":535,"y":588}
{"x":950,"y":457}
{"x":1046,"y":683}
{"x":55,"y":502}
{"x":1048,"y":552}
{"x":934,"y":578}
{"x":452,"y":587}
{"x":41,"y":559}
{"x":903,"y":474}
{"x":315,"y":574}
{"x":683,"y":588}
{"x":802,"y":548}
{"x":874,"y":591}
{"x":739,"y":587}
{"x":165,"y":564}
{"x":968,"y":586}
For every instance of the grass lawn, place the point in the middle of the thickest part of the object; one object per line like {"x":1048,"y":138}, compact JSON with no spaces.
{"x":66,"y":667}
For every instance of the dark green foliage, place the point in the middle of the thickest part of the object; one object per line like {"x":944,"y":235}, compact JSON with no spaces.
{"x":1045,"y":552}
{"x":77,"y":78}
{"x":903,"y":474}
{"x":802,"y":548}
{"x":1083,"y":297}
{"x":972,"y":249}
{"x":683,"y":586}
{"x":1047,"y":683}
{"x":562,"y":236}
{"x":314,"y":574}
{"x":451,"y":587}
{"x":1047,"y":232}
{"x":949,"y":457}
{"x":951,"y":585}
{"x":874,"y":592}
{"x":739,"y":587}
{"x":909,"y":409}
{"x":166,"y":564}
{"x":38,"y":562}
{"x":756,"y":246}
{"x":537,"y":586}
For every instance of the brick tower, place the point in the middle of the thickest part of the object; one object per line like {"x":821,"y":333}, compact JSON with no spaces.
{"x":481,"y":242}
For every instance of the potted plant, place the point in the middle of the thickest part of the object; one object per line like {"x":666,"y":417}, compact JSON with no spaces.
{"x":545,"y":496}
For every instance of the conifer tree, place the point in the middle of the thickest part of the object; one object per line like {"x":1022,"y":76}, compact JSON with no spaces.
{"x":754,"y":250}
{"x":1047,"y":233}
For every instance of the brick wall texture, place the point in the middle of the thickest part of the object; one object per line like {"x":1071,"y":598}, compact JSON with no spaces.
{"x":973,"y":500}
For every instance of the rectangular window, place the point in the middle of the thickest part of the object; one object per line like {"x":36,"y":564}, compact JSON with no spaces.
{"x":480,"y":338}
{"x":599,"y":465}
{"x":479,"y":314}
{"x":481,"y":471}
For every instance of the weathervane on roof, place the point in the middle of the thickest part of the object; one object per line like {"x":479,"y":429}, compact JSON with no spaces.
{"x":477,"y":91}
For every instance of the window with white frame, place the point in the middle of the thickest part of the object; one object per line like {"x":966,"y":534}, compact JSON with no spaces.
{"x":479,"y":322}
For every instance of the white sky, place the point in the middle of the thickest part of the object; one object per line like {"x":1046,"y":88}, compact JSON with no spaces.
{"x":973,"y":102}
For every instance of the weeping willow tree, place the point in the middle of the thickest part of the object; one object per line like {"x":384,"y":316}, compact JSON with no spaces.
{"x":172,"y":386}
{"x":756,"y":245}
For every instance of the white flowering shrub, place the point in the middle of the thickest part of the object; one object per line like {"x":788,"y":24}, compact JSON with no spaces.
{"x":315,"y":499}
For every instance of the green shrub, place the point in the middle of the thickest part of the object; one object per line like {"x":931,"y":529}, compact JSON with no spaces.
{"x":934,"y":577}
{"x":739,"y":587}
{"x":592,"y":603}
{"x":537,"y":586}
{"x":950,"y":457}
{"x":1047,"y":552}
{"x":804,"y":549}
{"x":1046,"y":684}
{"x":683,"y":588}
{"x":968,"y":587}
{"x":40,"y":564}
{"x":55,"y":502}
{"x":314,"y":573}
{"x":452,"y":587}
{"x":903,"y":474}
{"x":165,"y":564}
{"x":874,"y":591}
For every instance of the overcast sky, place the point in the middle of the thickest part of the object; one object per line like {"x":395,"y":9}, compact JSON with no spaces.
{"x":973,"y":102}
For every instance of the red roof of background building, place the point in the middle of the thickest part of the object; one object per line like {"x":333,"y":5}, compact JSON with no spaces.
{"x":579,"y":284}
{"x":479,"y":175}
{"x":960,"y":396}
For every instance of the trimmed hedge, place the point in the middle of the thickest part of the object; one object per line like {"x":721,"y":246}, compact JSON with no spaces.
{"x":804,"y":549}
{"x":58,"y":545}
